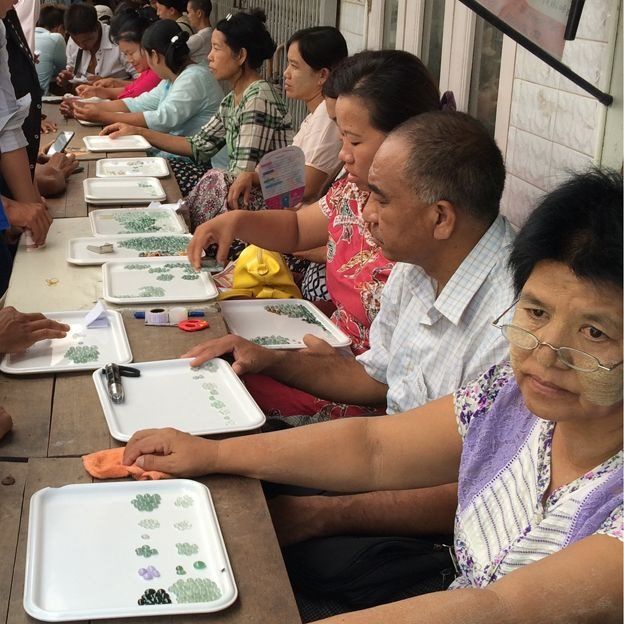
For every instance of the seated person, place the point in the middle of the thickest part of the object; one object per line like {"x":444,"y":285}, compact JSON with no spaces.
{"x":50,"y":44}
{"x":186,"y":98}
{"x":252,"y":119}
{"x":19,"y":331}
{"x":91,"y":54}
{"x":367,"y":87}
{"x":536,"y":445}
{"x":126,"y":30}
{"x":200,"y":43}
{"x":312,"y":54}
{"x":435,"y":183}
{"x":174,"y":10}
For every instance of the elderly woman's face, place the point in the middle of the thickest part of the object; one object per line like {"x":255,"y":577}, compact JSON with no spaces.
{"x":565,"y":311}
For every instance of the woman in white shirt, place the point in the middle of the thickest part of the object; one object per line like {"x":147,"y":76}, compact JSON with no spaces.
{"x":312,"y":54}
{"x":186,"y":98}
{"x":91,"y":54}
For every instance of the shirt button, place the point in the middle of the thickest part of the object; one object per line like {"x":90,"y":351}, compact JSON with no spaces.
{"x":36,"y":136}
{"x":38,"y":105}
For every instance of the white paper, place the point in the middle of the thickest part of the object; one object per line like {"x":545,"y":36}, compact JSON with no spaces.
{"x":96,"y":317}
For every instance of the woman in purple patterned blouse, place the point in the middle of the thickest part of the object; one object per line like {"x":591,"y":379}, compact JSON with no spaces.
{"x":536,"y":444}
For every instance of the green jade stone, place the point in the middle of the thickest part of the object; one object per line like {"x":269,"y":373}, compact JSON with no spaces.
{"x":139,"y":222}
{"x":136,"y":266}
{"x":195,"y":590}
{"x":184,"y":525}
{"x":146,"y":502}
{"x":82,"y":354}
{"x":154,"y":597}
{"x":149,"y":523}
{"x":270,"y":340}
{"x":187,"y":549}
{"x":145,"y":551}
{"x":165,"y":277}
{"x":188,"y":276}
{"x":184,"y":501}
{"x":295,"y":311}
{"x":199,"y":565}
{"x":180,"y":571}
{"x":162,"y":245}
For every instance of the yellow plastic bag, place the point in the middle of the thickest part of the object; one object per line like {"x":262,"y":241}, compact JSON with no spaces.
{"x":261,"y":274}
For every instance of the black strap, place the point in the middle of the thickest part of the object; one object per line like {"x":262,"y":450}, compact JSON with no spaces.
{"x":78,"y":61}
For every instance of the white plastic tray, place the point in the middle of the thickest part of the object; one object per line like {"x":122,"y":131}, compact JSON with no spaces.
{"x":251,"y":319}
{"x":84,"y":122}
{"x":169,"y":393}
{"x":77,"y":252}
{"x":127,"y":143}
{"x":144,"y":281}
{"x":123,"y":190}
{"x":155,"y":167}
{"x":111,"y":221}
{"x":49,"y":356}
{"x":81,"y":559}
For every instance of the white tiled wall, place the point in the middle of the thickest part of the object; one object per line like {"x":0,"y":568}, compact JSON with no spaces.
{"x":352,"y":24}
{"x":554,"y":125}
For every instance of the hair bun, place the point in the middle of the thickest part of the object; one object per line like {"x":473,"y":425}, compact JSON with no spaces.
{"x":258,"y":14}
{"x":179,"y":38}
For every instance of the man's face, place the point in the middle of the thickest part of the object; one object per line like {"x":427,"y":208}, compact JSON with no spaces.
{"x":399,"y":221}
{"x":194,"y":17}
{"x":87,"y":41}
{"x":6,"y":6}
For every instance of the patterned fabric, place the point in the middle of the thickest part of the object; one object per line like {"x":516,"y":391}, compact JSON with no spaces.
{"x":501,"y":523}
{"x":314,"y":283}
{"x":425,"y":346}
{"x":187,"y":173}
{"x":258,"y":124}
{"x":356,"y":269}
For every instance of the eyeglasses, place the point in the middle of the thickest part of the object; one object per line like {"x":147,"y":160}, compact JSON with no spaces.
{"x":573,"y":358}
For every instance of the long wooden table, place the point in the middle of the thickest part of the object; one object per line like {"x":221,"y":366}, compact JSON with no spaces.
{"x":58,"y":418}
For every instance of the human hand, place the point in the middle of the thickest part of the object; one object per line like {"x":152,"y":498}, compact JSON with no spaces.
{"x":220,"y":230}
{"x":63,"y":163}
{"x":318,"y":254}
{"x":300,"y":518}
{"x":18,"y":331}
{"x":248,"y":356}
{"x":119,"y":129}
{"x":67,"y":108}
{"x":241,"y":187}
{"x":86,"y":90}
{"x":86,"y":111}
{"x":48,"y":126}
{"x":64,"y":76}
{"x":108,"y":82}
{"x":33,"y":216}
{"x":171,"y":451}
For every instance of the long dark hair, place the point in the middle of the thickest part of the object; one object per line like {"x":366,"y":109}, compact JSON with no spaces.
{"x":130,"y":24}
{"x":168,"y":39}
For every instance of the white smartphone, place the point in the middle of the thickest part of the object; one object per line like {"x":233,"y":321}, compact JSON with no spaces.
{"x":61,"y":142}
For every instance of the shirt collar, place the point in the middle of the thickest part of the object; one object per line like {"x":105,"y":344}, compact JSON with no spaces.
{"x":474,"y":270}
{"x":105,"y":43}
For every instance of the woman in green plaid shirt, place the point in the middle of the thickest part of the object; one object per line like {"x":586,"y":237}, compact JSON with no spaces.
{"x":252,"y":119}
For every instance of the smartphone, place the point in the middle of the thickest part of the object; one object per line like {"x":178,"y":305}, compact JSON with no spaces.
{"x":61,"y":142}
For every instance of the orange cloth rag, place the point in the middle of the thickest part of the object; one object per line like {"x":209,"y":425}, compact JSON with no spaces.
{"x":107,"y":465}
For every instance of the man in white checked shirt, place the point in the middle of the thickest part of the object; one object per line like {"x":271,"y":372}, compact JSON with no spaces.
{"x":436,"y":184}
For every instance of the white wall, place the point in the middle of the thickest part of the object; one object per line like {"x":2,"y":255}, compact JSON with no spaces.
{"x":556,"y":127}
{"x":352,"y":22}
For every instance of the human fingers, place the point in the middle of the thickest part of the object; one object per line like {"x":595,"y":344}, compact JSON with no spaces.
{"x":113,"y":130}
{"x":317,"y":345}
{"x":146,"y":441}
{"x":209,"y":349}
{"x":46,"y":324}
{"x":202,"y":237}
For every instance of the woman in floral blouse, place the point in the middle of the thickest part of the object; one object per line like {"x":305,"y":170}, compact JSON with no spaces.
{"x":536,"y":445}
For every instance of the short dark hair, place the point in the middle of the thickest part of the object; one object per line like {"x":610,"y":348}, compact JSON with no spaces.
{"x":201,"y":5}
{"x":168,"y":39}
{"x":320,"y":46}
{"x":130,"y":24}
{"x":248,"y":30}
{"x":394,"y":85}
{"x":578,"y":224}
{"x":51,"y":16}
{"x":454,"y":158}
{"x":81,"y":18}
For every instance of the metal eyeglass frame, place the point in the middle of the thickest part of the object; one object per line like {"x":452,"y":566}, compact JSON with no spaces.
{"x":557,"y":350}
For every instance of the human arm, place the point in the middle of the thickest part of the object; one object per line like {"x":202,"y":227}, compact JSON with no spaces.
{"x":581,"y":584}
{"x":315,"y":180}
{"x":111,"y":82}
{"x":419,"y":448}
{"x":278,"y":230}
{"x":423,"y":511}
{"x":161,"y":140}
{"x":319,"y":369}
{"x":107,"y":113}
{"x":107,"y":93}
{"x":18,"y":331}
